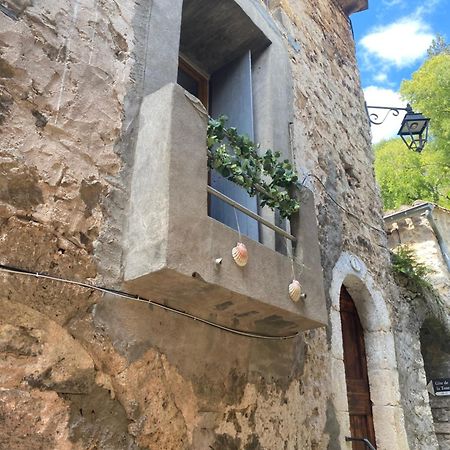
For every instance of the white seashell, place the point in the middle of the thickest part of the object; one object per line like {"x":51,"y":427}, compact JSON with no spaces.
{"x":240,"y":254}
{"x":295,"y":291}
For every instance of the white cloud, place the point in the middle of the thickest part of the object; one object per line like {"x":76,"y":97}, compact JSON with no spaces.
{"x":390,"y":3}
{"x":429,"y":8}
{"x":400,"y":44}
{"x":376,"y":96}
{"x":381,"y":77}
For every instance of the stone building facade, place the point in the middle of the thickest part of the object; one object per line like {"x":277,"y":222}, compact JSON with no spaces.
{"x":424,"y":321}
{"x":83,"y":83}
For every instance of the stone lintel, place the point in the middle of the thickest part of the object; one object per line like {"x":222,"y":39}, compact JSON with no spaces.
{"x":353,"y":6}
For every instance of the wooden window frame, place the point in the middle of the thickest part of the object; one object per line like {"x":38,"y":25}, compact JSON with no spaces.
{"x":199,"y":77}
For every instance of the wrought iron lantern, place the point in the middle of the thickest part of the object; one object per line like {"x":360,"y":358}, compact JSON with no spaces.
{"x":414,"y":127}
{"x":414,"y":130}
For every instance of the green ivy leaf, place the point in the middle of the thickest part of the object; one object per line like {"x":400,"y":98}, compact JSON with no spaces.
{"x":237,"y":159}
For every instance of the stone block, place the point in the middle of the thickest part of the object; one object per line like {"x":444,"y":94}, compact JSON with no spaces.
{"x":340,"y":399}
{"x":380,"y":350}
{"x":442,"y":427}
{"x":440,"y":414}
{"x":389,"y":427}
{"x":384,"y":389}
{"x":337,"y":344}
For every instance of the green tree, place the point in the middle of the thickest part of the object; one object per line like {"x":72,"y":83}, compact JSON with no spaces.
{"x":438,"y":45}
{"x":405,"y":176}
{"x":429,"y":92}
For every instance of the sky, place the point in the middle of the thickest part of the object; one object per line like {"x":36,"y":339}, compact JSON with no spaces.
{"x":392,"y":38}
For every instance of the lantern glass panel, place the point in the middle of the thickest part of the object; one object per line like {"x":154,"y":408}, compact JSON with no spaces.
{"x":413,"y":124}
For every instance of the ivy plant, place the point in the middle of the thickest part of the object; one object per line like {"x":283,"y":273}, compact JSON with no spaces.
{"x":404,"y":262}
{"x":239,"y":159}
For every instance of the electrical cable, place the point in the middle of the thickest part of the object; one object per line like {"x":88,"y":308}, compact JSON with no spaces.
{"x":310,"y":174}
{"x":19,"y":271}
{"x":339,"y":205}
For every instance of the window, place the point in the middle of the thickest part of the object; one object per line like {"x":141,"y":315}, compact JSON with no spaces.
{"x":221,"y":47}
{"x":195,"y":82}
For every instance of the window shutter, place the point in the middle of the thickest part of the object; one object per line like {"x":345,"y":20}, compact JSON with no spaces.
{"x":231,"y":95}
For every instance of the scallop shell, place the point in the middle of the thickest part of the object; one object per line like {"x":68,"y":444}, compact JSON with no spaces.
{"x":240,"y":254}
{"x":295,"y":291}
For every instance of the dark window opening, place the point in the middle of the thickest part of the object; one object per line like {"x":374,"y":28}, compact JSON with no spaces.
{"x":193,"y":81}
{"x":218,"y":39}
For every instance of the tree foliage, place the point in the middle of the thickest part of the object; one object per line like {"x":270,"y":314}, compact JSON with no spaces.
{"x":405,"y":176}
{"x":438,"y":46}
{"x":429,"y":92}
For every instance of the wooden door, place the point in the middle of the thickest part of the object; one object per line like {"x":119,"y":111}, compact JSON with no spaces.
{"x":231,"y":95}
{"x":358,"y":393}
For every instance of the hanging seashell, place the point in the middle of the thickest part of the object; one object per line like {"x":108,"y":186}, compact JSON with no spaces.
{"x":295,"y":291}
{"x":240,"y":254}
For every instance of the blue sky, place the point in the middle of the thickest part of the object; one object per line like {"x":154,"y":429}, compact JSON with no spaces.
{"x":392,"y":38}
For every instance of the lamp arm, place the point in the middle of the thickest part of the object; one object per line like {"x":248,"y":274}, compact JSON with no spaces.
{"x":374,"y":118}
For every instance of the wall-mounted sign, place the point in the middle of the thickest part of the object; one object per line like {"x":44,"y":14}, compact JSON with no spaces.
{"x":439,"y":387}
{"x":356,"y":266}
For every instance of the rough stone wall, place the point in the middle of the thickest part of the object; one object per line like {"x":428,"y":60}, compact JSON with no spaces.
{"x":417,"y":233}
{"x":64,"y":73}
{"x":415,"y":305}
{"x":423,"y":328}
{"x":332,"y":142}
{"x":83,"y":371}
{"x":434,"y":339}
{"x":331,"y":136}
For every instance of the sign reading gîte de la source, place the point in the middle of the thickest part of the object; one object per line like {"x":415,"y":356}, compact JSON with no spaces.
{"x":439,"y":387}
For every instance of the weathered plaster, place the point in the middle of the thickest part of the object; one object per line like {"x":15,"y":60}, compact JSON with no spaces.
{"x":416,"y":232}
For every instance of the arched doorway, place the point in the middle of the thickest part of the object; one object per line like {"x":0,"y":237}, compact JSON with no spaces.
{"x":351,"y":272}
{"x":356,"y":376}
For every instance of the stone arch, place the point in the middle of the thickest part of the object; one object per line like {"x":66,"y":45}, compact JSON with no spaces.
{"x":351,"y":272}
{"x":434,"y":338}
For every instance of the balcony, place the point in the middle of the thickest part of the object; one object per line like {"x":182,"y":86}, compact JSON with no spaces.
{"x":174,"y":247}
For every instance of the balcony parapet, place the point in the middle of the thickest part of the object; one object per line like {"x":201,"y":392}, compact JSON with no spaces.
{"x":173,"y":245}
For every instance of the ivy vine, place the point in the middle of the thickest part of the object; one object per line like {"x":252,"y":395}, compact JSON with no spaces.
{"x":238,"y":159}
{"x":404,"y":263}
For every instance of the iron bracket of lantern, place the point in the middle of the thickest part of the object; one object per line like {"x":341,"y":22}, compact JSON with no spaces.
{"x":414,"y":127}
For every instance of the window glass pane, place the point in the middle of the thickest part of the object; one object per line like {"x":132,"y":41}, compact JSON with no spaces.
{"x":187,"y":82}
